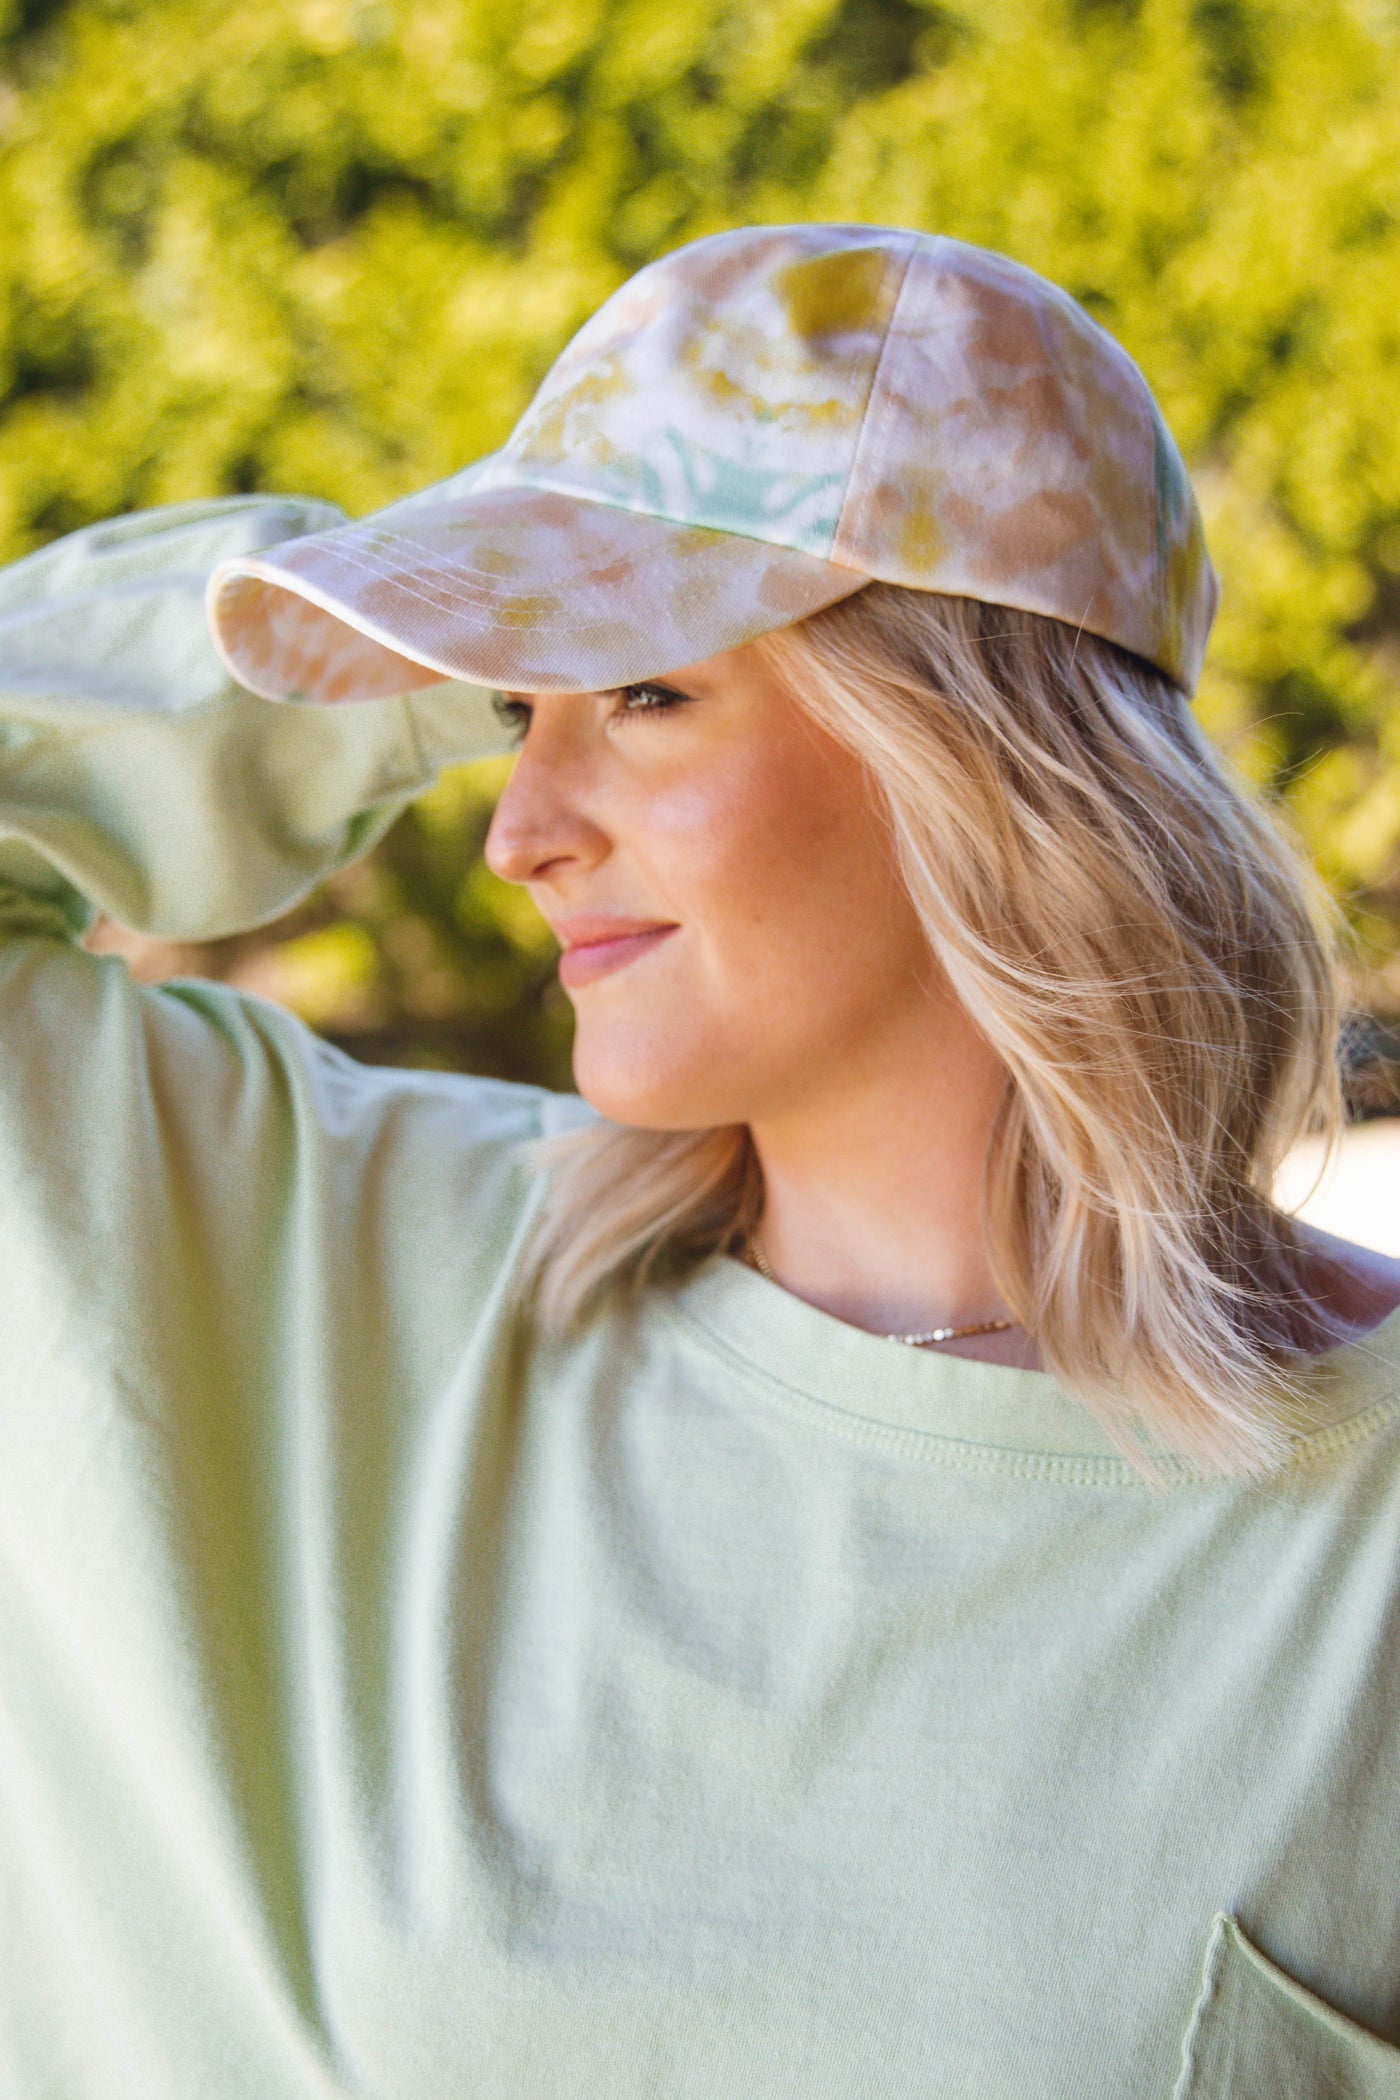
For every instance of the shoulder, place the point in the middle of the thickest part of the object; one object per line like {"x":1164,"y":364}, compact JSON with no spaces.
{"x":227,"y":1082}
{"x":344,"y":1098}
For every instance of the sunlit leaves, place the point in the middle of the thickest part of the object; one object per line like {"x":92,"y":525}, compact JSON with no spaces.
{"x":332,"y":245}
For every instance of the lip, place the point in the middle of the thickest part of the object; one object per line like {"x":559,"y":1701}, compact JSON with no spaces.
{"x":596,"y":946}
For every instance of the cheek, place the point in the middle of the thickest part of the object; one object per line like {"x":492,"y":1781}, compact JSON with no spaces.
{"x":765,"y":864}
{"x":795,"y":933}
{"x":798,"y":887}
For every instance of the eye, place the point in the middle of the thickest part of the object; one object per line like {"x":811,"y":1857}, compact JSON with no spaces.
{"x":514,"y":715}
{"x":649,"y":698}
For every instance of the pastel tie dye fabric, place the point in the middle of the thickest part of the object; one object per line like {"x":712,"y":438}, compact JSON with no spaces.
{"x":748,"y":430}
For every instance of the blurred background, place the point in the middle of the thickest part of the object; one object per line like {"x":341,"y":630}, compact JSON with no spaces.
{"x":331,"y":246}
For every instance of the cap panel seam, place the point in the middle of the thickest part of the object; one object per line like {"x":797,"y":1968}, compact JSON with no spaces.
{"x":871,"y":395}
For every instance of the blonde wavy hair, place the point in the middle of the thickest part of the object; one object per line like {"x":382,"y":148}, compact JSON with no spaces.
{"x":1145,"y":950}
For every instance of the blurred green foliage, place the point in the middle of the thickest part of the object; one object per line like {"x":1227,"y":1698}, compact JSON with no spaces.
{"x":418,"y":954}
{"x":330,"y":246}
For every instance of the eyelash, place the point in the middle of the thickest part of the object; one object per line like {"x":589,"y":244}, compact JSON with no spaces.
{"x":666,"y":697}
{"x":515,"y":714}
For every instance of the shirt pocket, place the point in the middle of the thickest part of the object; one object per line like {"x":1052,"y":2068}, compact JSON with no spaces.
{"x":1255,"y":2034}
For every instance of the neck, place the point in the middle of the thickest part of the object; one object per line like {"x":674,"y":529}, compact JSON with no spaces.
{"x":873,"y":1190}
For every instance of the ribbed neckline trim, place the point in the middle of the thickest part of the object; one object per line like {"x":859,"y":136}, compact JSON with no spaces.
{"x":956,"y":1411}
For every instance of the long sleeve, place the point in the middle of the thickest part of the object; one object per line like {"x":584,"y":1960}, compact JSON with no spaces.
{"x":160,"y":1146}
{"x":135,"y":778}
{"x":237,"y":1273}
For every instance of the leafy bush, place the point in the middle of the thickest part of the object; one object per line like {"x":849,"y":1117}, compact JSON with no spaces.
{"x":331,"y":246}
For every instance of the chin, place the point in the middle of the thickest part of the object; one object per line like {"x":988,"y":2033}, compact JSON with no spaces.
{"x":649,"y":1091}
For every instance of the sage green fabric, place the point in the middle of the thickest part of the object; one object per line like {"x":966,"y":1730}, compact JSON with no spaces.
{"x":727,"y":1702}
{"x":1258,"y":2035}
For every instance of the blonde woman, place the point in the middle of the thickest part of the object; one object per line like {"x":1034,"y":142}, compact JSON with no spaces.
{"x":858,"y":1556}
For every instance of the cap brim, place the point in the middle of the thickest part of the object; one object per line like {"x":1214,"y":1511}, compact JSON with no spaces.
{"x":517,"y":589}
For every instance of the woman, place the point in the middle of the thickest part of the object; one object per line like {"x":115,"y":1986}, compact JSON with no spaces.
{"x":857,"y":1557}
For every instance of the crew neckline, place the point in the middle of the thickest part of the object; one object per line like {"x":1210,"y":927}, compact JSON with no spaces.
{"x":958,"y":1410}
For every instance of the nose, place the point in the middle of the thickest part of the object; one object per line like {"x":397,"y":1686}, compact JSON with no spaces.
{"x":540,"y":825}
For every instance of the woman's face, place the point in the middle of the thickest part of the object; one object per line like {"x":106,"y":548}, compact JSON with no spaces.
{"x":737,"y":942}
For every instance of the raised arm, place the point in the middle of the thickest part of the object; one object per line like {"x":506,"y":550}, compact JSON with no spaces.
{"x":151,"y":1139}
{"x":135,"y":778}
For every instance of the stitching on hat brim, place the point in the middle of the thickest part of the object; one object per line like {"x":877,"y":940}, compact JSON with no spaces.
{"x":795,"y":561}
{"x":337,"y":538}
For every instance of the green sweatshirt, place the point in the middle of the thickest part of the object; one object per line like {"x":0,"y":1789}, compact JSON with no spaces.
{"x":728,"y":1702}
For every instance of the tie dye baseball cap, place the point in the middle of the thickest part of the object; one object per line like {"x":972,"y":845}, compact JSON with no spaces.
{"x":750,"y":429}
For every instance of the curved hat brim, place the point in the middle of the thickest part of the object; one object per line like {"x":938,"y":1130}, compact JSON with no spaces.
{"x":514,"y":588}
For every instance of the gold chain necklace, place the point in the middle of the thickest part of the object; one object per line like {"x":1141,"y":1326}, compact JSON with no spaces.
{"x":913,"y":1341}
